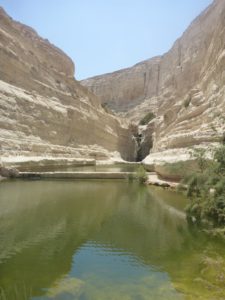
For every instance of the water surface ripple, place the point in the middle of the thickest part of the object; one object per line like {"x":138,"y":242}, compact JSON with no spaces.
{"x":100,"y":240}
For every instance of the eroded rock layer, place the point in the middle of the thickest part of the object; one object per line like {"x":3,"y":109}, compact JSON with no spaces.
{"x":44,"y":111}
{"x":124,"y":90}
{"x":185,"y":88}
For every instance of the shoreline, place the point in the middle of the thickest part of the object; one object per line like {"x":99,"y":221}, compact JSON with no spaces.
{"x":27,"y":165}
{"x":153,"y":179}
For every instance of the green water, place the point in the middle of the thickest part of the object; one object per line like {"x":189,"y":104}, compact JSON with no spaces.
{"x":102,"y":240}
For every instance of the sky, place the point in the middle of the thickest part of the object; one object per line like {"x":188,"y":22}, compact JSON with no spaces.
{"x":104,"y":36}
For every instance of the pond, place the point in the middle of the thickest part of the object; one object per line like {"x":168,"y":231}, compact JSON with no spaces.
{"x":102,"y":240}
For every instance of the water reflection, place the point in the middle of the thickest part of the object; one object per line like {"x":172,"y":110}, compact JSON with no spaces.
{"x":93,"y":240}
{"x":83,"y":168}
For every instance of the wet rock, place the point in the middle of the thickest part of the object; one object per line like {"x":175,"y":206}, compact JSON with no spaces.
{"x":8,"y":172}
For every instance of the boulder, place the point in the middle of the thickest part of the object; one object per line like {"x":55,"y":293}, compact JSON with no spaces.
{"x":8,"y":172}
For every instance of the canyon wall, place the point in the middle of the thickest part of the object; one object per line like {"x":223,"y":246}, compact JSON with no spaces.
{"x":124,"y":90}
{"x":44,"y":111}
{"x":185,"y":88}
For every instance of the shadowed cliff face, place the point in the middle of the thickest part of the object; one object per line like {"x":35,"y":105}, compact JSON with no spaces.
{"x":185,"y":88}
{"x":43,"y":109}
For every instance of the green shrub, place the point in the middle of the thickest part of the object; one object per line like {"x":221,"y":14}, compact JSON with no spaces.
{"x":206,"y":190}
{"x":187,"y":102}
{"x":147,"y":118}
{"x":130,"y":177}
{"x":141,"y":174}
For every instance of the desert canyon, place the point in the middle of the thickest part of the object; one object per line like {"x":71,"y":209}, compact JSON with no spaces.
{"x":47,"y":114}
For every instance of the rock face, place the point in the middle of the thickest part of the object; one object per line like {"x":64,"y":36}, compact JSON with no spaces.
{"x":44,"y":111}
{"x":185,"y":88}
{"x":124,"y":90}
{"x":8,"y":172}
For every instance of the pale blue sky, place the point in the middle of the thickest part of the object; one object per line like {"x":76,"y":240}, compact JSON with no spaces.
{"x":103,"y":36}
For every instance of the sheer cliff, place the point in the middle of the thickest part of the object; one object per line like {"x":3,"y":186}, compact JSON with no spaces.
{"x":185,"y":87}
{"x":44,"y":111}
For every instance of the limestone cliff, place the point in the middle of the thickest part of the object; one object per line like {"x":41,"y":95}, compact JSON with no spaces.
{"x":44,"y":111}
{"x":124,"y":90}
{"x":185,"y":87}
